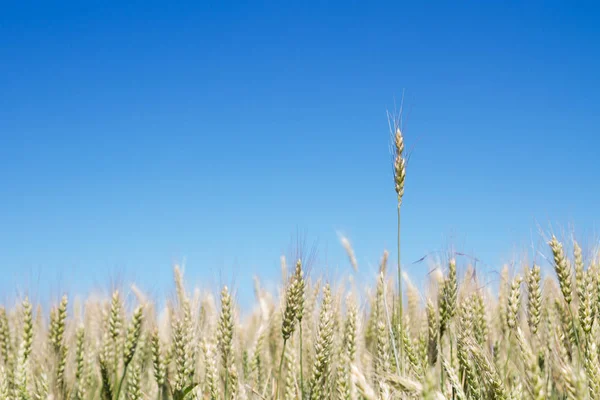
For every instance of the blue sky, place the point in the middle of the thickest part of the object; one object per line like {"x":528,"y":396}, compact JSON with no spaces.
{"x":136,"y":135}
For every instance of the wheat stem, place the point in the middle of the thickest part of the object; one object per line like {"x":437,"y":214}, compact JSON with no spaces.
{"x":121,"y":383}
{"x":301,"y":368}
{"x":280,"y":369}
{"x":400,"y":293}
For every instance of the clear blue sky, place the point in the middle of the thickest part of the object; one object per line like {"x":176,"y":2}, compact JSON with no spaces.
{"x":133,"y":136}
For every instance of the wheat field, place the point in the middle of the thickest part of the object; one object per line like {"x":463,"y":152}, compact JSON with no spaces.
{"x":527,"y":336}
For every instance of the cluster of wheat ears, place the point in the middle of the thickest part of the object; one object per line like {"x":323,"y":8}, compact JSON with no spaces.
{"x":456,"y":339}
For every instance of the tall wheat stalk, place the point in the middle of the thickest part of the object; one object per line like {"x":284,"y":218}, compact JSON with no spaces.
{"x":399,"y":177}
